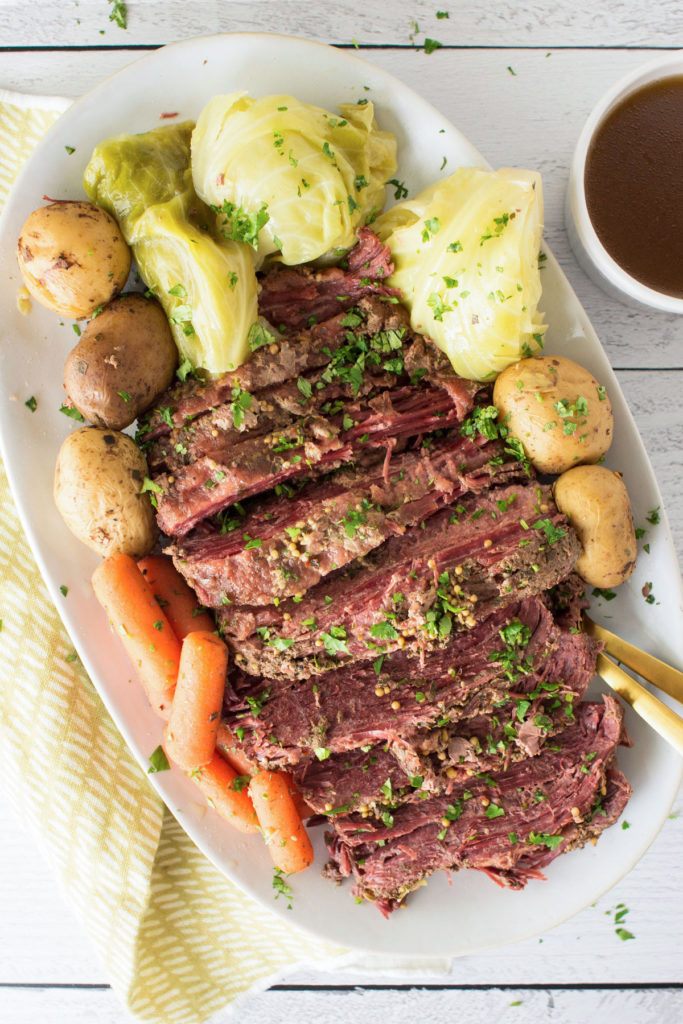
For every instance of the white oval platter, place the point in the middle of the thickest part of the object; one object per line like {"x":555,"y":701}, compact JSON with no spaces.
{"x":462,"y":914}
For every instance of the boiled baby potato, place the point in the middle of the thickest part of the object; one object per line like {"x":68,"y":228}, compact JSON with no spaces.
{"x":98,"y":480}
{"x":558,"y":411}
{"x":595,"y":501}
{"x":125,"y":359}
{"x":72,"y":257}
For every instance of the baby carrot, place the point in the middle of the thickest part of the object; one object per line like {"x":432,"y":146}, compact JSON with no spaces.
{"x":226,"y":792}
{"x":193,"y":725}
{"x":178,"y":600}
{"x":280,"y":823}
{"x":230,"y":748}
{"x":142,"y":627}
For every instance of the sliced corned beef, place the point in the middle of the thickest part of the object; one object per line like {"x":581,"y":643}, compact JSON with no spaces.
{"x":292,"y":297}
{"x":514,"y":658}
{"x":287,"y":544}
{"x":484,"y":551}
{"x":311,"y":446}
{"x":509,"y":825}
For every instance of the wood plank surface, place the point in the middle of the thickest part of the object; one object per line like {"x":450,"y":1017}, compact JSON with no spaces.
{"x":506,"y":1006}
{"x":612,"y":23}
{"x":563,"y":57}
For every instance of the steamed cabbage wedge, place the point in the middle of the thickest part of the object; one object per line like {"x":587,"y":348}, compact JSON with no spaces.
{"x":466,"y":255}
{"x":306,"y":178}
{"x":205,"y":283}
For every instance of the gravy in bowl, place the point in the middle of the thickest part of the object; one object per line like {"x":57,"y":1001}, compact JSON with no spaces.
{"x":633,"y":184}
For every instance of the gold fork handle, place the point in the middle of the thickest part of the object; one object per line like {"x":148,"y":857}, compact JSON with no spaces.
{"x":664,"y":677}
{"x":662,"y":719}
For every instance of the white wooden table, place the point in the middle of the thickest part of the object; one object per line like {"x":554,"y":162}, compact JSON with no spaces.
{"x":519,"y":83}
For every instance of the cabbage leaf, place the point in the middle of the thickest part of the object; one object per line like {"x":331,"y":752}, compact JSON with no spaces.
{"x":205,"y":283}
{"x":310,"y":177}
{"x":466,"y":255}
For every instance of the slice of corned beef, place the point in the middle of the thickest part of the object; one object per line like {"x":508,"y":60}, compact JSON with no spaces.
{"x":214,"y":434}
{"x":285,"y":545}
{"x":357,"y":780}
{"x":509,"y":825}
{"x":293,"y":297}
{"x":482,"y":552}
{"x":508,"y":665}
{"x":313,"y":445}
{"x":374,"y":337}
{"x":412,"y":766}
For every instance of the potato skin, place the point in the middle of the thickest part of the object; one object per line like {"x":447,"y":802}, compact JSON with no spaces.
{"x":125,"y":359}
{"x":73,"y":257}
{"x":596,"y":502}
{"x":98,"y":479}
{"x":526,"y":395}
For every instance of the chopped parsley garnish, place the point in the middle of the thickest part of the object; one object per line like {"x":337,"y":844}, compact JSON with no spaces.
{"x":185,"y":370}
{"x":432,"y":44}
{"x":484,"y":421}
{"x":305,"y":388}
{"x":258,"y":336}
{"x":335,"y":641}
{"x":118,"y":13}
{"x":241,"y":402}
{"x":438,"y":306}
{"x":240,"y":782}
{"x":256,"y":703}
{"x":241,"y":226}
{"x":158,"y":762}
{"x":348,"y":362}
{"x":72,"y":411}
{"x":516,"y":637}
{"x":383,"y":631}
{"x":281,"y":887}
{"x":31,"y":403}
{"x":494,"y":811}
{"x":400,"y":191}
{"x":552,"y":533}
{"x":432,"y":225}
{"x":543,"y":839}
{"x":499,"y":224}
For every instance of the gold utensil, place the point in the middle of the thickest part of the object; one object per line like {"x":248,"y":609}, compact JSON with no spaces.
{"x":662,"y":719}
{"x":661,"y":675}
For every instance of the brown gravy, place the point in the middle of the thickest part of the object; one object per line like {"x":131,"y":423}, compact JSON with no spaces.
{"x":633,"y":183}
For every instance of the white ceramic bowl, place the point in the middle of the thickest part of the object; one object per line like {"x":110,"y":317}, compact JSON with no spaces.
{"x":588,"y":249}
